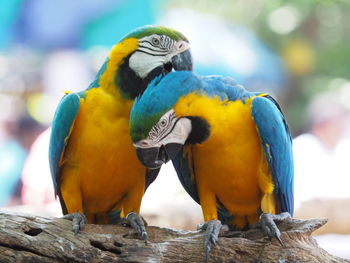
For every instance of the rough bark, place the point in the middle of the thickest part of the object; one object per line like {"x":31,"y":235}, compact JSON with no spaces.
{"x":28,"y":238}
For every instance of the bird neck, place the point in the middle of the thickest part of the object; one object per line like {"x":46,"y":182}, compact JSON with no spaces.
{"x":108,"y":76}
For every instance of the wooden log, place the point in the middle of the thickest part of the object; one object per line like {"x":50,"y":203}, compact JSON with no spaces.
{"x":29,"y":238}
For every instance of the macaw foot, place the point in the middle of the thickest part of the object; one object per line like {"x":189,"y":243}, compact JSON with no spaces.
{"x":137,"y":222}
{"x":212,"y":231}
{"x":78,"y":221}
{"x":269,"y":227}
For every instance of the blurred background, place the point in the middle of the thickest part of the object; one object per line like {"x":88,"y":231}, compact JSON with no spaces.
{"x":298,"y":51}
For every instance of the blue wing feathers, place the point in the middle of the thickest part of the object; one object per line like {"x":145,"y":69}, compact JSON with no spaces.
{"x":182,"y":166}
{"x":61,"y":127}
{"x":276,"y":141}
{"x":224,"y":87}
{"x":179,"y":83}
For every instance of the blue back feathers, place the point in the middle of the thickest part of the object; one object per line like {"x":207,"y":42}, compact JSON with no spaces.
{"x":164,"y":91}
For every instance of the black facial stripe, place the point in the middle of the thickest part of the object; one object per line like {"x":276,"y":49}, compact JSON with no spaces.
{"x":170,"y":130}
{"x":158,"y":132}
{"x":156,"y":46}
{"x":162,"y":40}
{"x":168,"y":43}
{"x":155,"y":50}
{"x":146,"y":41}
{"x":162,"y":135}
{"x":149,"y":42}
{"x":155,"y":55}
{"x":164,"y":129}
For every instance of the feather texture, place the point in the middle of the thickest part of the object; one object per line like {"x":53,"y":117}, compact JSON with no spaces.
{"x":245,"y":167}
{"x":93,"y":164}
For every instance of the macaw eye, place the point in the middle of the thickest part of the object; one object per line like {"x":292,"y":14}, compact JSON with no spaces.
{"x":163,"y":123}
{"x":155,"y":41}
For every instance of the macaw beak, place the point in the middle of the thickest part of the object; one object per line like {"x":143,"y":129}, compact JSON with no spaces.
{"x":154,"y":157}
{"x":182,"y":61}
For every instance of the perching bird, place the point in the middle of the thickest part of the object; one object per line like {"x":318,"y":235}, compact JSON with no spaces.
{"x":94,"y":168}
{"x":231,"y":149}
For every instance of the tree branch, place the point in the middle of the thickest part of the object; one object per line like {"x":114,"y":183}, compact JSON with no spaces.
{"x":28,"y":238}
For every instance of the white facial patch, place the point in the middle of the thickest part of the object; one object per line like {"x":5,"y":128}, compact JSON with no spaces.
{"x":143,"y":63}
{"x":153,"y":51}
{"x":169,"y":129}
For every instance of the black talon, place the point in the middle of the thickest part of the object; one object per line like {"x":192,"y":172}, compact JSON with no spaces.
{"x":78,"y":221}
{"x":280,"y":240}
{"x":137,"y":222}
{"x":211,"y":237}
{"x":269,"y":227}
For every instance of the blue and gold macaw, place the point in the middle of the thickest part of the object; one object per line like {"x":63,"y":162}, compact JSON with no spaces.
{"x":94,"y":168}
{"x":231,"y":148}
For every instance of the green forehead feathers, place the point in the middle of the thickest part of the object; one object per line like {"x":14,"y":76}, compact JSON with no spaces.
{"x":159,"y":30}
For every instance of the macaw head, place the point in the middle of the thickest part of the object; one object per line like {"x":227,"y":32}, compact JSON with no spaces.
{"x":158,"y":132}
{"x":155,"y":50}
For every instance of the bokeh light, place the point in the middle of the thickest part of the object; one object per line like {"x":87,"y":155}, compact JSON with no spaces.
{"x":41,"y":107}
{"x":284,"y":19}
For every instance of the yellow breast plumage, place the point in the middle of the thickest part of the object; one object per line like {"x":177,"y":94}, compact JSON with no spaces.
{"x":100,"y":148}
{"x":233,"y":149}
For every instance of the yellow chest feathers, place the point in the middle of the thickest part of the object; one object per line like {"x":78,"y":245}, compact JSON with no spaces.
{"x":100,"y":154}
{"x":231,"y":162}
{"x":230,"y":121}
{"x":102,"y":126}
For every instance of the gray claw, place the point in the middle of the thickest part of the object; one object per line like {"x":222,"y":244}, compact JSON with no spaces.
{"x":137,"y":222}
{"x":211,"y":237}
{"x":269,"y":227}
{"x":78,"y":221}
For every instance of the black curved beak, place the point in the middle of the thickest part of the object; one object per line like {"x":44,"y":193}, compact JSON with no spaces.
{"x":182,"y":61}
{"x":156,"y":156}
